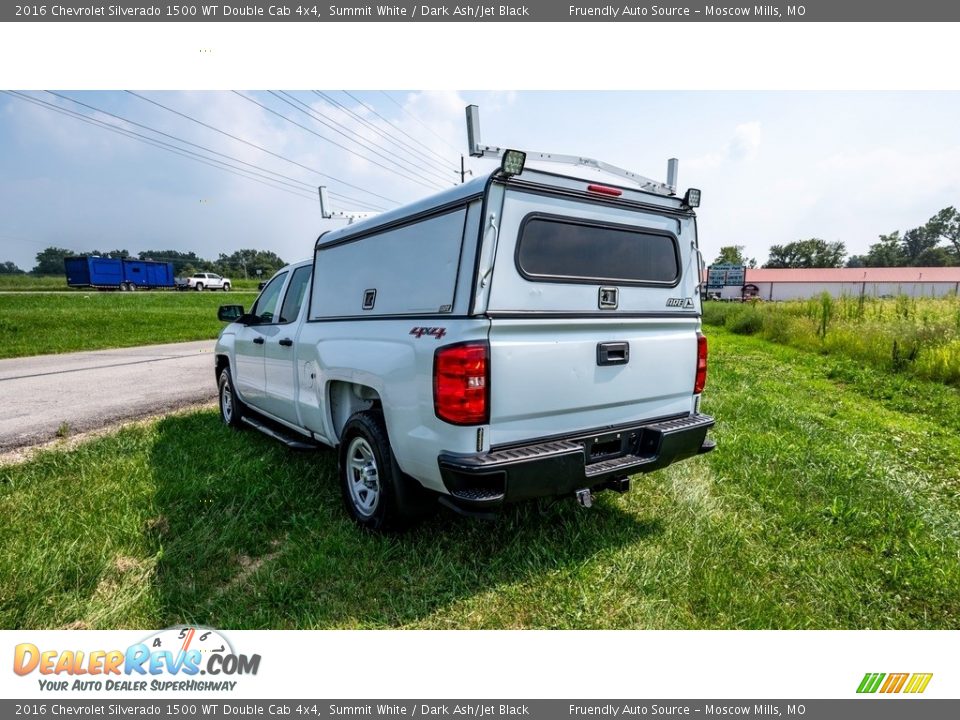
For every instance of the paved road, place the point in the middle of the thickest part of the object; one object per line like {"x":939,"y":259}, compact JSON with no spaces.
{"x":88,"y":390}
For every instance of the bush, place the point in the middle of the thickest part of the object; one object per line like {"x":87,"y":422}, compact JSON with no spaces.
{"x":747,"y":322}
{"x":716,"y":313}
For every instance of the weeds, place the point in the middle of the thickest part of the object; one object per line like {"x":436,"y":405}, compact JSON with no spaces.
{"x":918,"y":336}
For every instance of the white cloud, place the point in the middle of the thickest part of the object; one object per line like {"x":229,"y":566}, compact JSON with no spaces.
{"x":743,"y":146}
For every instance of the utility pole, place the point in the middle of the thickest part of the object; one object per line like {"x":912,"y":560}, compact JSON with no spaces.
{"x":463,"y":171}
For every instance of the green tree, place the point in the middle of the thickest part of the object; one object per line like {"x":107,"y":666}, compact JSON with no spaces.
{"x":888,"y":252}
{"x":812,"y":253}
{"x":184,"y":263}
{"x":918,"y":243}
{"x":9,"y":268}
{"x":245,"y":263}
{"x":934,"y":257}
{"x":50,"y":261}
{"x":734,"y":255}
{"x":945,"y":225}
{"x":110,"y":253}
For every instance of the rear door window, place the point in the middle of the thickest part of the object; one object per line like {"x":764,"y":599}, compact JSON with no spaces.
{"x":266,"y":305}
{"x":295,"y":292}
{"x":569,"y":250}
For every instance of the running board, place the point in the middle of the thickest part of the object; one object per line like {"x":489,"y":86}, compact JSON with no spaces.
{"x":287,"y":440}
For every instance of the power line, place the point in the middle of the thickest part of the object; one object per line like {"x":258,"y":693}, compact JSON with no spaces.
{"x":391,"y":122}
{"x":300,"y":184}
{"x":431,"y":186}
{"x":428,"y":128}
{"x":424,"y":173}
{"x":304,"y":185}
{"x":261,"y":148}
{"x":410,"y":149}
{"x":189,"y":154}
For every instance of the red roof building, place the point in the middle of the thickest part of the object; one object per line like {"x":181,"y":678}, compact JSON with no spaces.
{"x":802,"y":283}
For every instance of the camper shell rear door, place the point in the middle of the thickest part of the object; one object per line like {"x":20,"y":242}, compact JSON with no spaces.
{"x":594,"y":311}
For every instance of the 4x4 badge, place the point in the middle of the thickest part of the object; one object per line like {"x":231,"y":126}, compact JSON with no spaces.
{"x":437,"y":332}
{"x":685,"y":303}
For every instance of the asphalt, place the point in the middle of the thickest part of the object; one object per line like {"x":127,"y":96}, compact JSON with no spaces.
{"x":88,"y":390}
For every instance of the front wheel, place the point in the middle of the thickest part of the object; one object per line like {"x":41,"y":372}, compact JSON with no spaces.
{"x":199,"y":287}
{"x":377,"y":494}
{"x":226,"y":287}
{"x":231,"y":408}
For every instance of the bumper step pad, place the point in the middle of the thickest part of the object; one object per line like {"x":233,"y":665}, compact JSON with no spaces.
{"x":559,"y":467}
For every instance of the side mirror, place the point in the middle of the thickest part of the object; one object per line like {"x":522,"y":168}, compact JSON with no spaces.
{"x":230,"y":313}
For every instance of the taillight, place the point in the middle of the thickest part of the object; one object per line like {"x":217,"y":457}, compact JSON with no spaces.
{"x":461,"y":375}
{"x":701,"y":378}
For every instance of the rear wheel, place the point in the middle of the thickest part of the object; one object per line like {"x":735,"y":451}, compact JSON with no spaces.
{"x":377,"y":494}
{"x":231,"y":408}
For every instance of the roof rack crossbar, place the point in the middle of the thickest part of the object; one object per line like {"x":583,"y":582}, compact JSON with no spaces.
{"x":478,"y":149}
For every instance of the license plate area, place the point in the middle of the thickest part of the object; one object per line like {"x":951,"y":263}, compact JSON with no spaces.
{"x":607,"y":447}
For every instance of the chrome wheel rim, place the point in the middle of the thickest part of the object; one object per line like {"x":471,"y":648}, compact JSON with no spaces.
{"x":226,"y":402}
{"x":363,"y":477}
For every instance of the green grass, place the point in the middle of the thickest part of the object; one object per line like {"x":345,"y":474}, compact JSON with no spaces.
{"x":36,"y":283}
{"x":833,"y":501}
{"x":35,"y":324}
{"x":917,"y":336}
{"x":28,"y":283}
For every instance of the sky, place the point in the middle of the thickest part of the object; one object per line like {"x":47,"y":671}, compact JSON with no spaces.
{"x":773,"y":167}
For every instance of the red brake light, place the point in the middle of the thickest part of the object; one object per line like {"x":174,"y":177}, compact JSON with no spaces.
{"x":605,"y":190}
{"x":701,"y":378}
{"x":461,"y":391}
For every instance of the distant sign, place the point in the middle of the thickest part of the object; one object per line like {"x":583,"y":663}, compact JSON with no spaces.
{"x":719,"y":276}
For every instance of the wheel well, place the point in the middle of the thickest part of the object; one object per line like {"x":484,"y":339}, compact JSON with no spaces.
{"x":222,"y":362}
{"x":347,"y":398}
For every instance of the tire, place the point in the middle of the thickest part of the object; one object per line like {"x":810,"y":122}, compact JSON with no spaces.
{"x":123,"y":287}
{"x":132,"y":287}
{"x":231,"y":408}
{"x":376,"y":493}
{"x":199,"y":287}
{"x":226,"y":287}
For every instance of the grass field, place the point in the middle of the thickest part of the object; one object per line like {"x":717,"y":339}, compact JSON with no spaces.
{"x":833,"y":501}
{"x":37,"y":323}
{"x":918,"y":336}
{"x":34,"y":283}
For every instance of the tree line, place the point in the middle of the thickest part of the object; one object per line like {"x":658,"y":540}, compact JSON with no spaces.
{"x":936,"y":243}
{"x":242,"y":263}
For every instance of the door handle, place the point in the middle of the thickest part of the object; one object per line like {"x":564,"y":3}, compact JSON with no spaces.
{"x":258,"y":340}
{"x":613,"y":353}
{"x":286,"y":342}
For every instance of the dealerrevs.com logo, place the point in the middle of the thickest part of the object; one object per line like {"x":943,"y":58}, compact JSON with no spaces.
{"x":172,"y":659}
{"x":890,"y":683}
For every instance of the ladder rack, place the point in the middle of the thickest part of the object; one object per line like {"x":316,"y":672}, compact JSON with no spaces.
{"x":349,"y":215}
{"x":477,"y":149}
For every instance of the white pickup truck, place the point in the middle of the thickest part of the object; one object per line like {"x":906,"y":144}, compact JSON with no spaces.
{"x":524,"y":335}
{"x":206,"y":281}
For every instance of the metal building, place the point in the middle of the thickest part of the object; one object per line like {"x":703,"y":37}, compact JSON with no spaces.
{"x":800,"y":284}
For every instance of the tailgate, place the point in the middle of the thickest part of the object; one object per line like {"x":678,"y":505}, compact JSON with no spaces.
{"x":557,"y":376}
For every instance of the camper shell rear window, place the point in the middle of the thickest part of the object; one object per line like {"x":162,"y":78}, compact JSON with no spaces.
{"x":564,"y":249}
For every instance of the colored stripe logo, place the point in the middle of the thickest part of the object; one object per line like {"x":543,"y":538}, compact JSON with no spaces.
{"x":913,"y":683}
